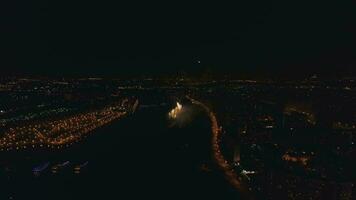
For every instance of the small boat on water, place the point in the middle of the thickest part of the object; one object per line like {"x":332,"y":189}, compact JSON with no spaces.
{"x":79,"y":167}
{"x":37,"y":170}
{"x":60,"y":166}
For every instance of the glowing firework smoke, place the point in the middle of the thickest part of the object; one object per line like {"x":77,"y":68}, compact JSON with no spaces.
{"x":175,"y":111}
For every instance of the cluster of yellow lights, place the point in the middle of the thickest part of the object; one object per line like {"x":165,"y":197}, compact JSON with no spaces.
{"x":301,"y":159}
{"x":309,"y":116}
{"x":224,"y":165}
{"x":58,"y":133}
{"x":175,"y":111}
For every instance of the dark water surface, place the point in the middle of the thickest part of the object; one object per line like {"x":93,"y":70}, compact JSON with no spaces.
{"x":139,"y":157}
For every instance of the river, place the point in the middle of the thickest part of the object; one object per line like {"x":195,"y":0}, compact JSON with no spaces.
{"x":142,"y":156}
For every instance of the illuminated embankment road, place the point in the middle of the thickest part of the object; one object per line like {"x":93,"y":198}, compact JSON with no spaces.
{"x":228,"y":170}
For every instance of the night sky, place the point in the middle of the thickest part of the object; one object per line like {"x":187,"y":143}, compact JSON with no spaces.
{"x":116,"y":38}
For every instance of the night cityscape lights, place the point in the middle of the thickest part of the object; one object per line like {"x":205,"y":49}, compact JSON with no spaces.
{"x":58,"y":133}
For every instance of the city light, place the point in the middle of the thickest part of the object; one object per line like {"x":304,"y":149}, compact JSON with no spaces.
{"x":175,"y":111}
{"x":60,"y":133}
